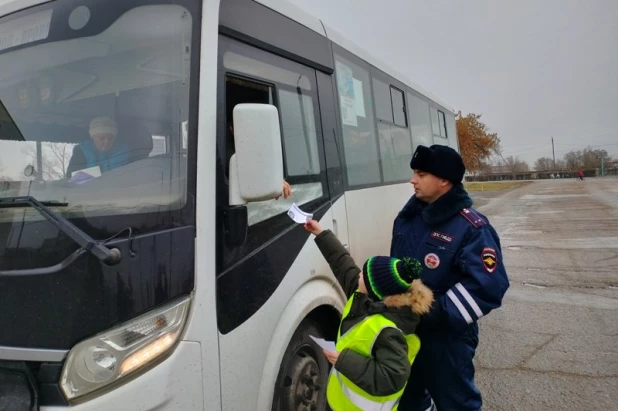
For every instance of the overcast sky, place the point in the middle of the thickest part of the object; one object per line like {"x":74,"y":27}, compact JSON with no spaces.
{"x":533,"y":68}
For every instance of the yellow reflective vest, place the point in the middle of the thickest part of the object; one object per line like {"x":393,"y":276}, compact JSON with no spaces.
{"x":343,"y":394}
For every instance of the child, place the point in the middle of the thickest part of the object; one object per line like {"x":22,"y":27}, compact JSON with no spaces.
{"x":376,"y":344}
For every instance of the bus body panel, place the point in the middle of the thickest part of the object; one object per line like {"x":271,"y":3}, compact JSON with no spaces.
{"x":340,"y":222}
{"x":11,"y":6}
{"x":202,"y":322}
{"x":249,"y":349}
{"x":371,"y":213}
{"x":175,"y":384}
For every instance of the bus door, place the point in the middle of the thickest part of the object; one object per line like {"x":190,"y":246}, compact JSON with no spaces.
{"x":255,"y":256}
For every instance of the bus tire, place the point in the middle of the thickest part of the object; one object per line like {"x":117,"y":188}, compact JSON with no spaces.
{"x":303,"y":374}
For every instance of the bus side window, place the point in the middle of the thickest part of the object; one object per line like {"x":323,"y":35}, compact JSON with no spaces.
{"x":295,"y":99}
{"x":254,"y":76}
{"x":238,"y":91}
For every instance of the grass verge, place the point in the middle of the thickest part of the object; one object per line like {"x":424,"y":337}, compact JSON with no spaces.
{"x":493,"y":185}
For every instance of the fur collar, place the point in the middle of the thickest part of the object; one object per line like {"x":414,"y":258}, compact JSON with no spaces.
{"x":405,"y":310}
{"x":419,"y":298}
{"x":440,"y":210}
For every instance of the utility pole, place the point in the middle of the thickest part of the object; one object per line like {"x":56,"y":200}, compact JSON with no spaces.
{"x":553,"y":151}
{"x":602,"y":165}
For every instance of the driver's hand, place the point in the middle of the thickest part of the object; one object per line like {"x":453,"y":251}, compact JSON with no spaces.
{"x":287,"y":190}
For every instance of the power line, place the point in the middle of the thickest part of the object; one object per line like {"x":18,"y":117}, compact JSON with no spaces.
{"x":591,"y":137}
{"x":563,"y":139}
{"x":518,"y":145}
{"x":526,"y":151}
{"x":547,"y":147}
{"x":588,"y":145}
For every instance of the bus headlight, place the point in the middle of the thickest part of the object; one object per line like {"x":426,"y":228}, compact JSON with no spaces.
{"x":120,"y":351}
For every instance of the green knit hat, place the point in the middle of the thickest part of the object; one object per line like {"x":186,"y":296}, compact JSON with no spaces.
{"x":386,"y":276}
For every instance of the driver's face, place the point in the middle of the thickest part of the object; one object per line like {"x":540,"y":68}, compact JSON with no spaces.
{"x":103,"y":142}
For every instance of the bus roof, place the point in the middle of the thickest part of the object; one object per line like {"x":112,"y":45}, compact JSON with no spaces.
{"x":310,"y":21}
{"x":300,"y":16}
{"x":11,"y":6}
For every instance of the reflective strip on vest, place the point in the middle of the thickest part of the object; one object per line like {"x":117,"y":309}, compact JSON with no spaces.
{"x":343,"y":394}
{"x":363,"y":403}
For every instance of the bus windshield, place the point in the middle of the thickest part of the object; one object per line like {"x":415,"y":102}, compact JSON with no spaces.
{"x":94,"y":102}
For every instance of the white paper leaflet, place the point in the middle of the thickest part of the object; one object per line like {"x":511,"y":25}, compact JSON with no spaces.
{"x":299,"y":215}
{"x":325,"y":345}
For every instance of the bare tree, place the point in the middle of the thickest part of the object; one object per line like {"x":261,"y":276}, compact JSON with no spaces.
{"x":486,"y":167}
{"x":515,"y":165}
{"x":592,"y":157}
{"x":60,"y":156}
{"x":586,"y":158}
{"x":55,"y":159}
{"x":572,"y":160}
{"x":2,"y":176}
{"x":561,"y":165}
{"x":544,"y":164}
{"x":500,"y":166}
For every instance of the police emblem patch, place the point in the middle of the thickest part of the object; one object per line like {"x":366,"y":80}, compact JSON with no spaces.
{"x":432,"y":261}
{"x":490,"y":259}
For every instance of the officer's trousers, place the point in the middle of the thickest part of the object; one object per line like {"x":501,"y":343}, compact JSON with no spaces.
{"x":443,"y":371}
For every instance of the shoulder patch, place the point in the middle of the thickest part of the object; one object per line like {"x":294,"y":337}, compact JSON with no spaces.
{"x":490,"y":259}
{"x":473,"y":218}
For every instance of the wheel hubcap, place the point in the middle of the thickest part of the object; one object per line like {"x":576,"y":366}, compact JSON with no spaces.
{"x":301,"y":384}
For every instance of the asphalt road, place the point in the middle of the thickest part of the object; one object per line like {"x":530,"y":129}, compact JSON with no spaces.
{"x":553,"y":345}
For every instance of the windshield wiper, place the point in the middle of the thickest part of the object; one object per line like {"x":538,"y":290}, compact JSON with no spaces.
{"x":109,"y":256}
{"x":9,"y":202}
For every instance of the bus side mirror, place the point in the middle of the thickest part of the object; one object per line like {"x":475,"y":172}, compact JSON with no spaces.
{"x":256,"y":168}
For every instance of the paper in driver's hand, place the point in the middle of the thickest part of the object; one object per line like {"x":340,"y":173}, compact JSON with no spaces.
{"x":92,"y":171}
{"x":85,"y":175}
{"x":325,"y":345}
{"x":299,"y":215}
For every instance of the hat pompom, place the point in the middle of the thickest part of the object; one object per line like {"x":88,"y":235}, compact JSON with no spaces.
{"x":384,"y":276}
{"x":411,"y":268}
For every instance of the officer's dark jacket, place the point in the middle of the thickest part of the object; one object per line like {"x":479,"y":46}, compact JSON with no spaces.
{"x":387,"y":371}
{"x":461,"y":256}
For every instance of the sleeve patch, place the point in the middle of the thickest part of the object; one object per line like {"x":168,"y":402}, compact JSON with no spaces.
{"x":473,"y":218}
{"x":490,"y":259}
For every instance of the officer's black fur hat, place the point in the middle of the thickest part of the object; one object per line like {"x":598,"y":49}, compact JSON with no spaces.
{"x":441,"y":161}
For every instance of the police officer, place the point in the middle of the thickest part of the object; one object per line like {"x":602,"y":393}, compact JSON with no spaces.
{"x":462,"y":264}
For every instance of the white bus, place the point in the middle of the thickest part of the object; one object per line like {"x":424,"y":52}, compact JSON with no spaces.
{"x":144,"y":261}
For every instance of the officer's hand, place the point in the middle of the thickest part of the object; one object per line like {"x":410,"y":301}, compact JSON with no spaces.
{"x":331,"y":356}
{"x":313,"y":227}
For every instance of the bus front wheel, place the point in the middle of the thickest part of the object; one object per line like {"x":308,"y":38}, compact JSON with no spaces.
{"x":303,"y":375}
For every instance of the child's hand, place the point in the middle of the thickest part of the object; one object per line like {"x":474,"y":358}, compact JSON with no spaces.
{"x":331,"y":356}
{"x":313,"y":227}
